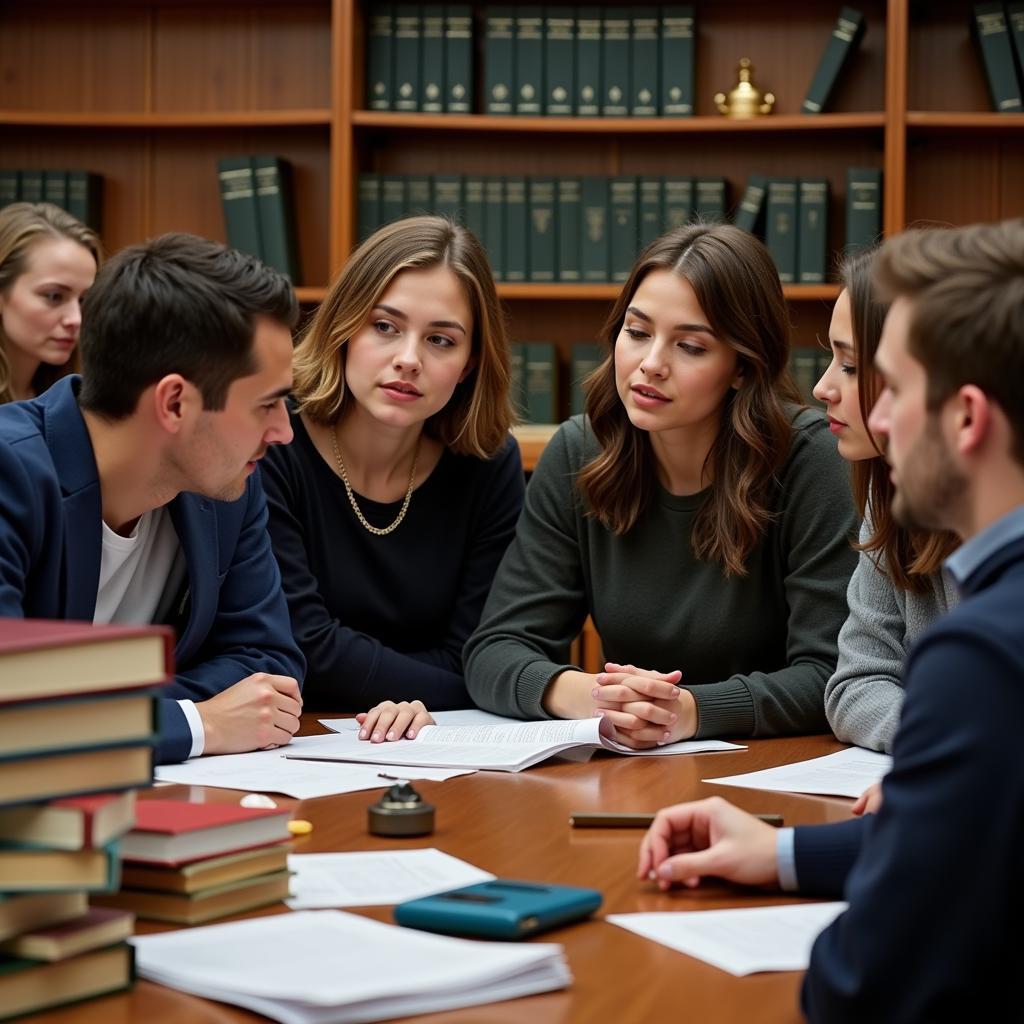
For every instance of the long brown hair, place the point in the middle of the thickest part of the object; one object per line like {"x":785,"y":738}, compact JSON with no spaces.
{"x":739,"y":292}
{"x":907,"y":557}
{"x":23,"y":226}
{"x":477,"y":417}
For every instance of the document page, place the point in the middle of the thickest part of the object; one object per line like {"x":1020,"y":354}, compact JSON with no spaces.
{"x":744,"y":941}
{"x":846,"y":773}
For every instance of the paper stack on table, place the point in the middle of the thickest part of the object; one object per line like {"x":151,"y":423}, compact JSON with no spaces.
{"x":329,"y":967}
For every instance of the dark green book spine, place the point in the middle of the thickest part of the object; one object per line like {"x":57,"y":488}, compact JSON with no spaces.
{"x":499,"y":60}
{"x":863,"y":207}
{"x":407,"y":57}
{"x":516,"y":229}
{"x":780,"y":227}
{"x":652,"y":216}
{"x":586,"y":358}
{"x":55,"y":188}
{"x":812,"y":239}
{"x":369,"y":205}
{"x":750,"y":212}
{"x":624,"y":227}
{"x":275,"y":201}
{"x":517,"y":374}
{"x":10,"y":185}
{"x":588,"y":61}
{"x":710,"y":199}
{"x":529,"y":61}
{"x":494,"y":225}
{"x":1015,"y":20}
{"x":419,"y":195}
{"x":570,"y":230}
{"x":85,"y":198}
{"x":392,"y":198}
{"x":432,"y":59}
{"x":677,"y":201}
{"x":644,"y":55}
{"x":993,"y":38}
{"x":458,"y":58}
{"x":596,"y":254}
{"x":31,"y":186}
{"x":677,"y":61}
{"x":559,"y":60}
{"x":541,"y":373}
{"x":847,"y":34}
{"x":238,"y":199}
{"x":803,"y":366}
{"x":543,"y":239}
{"x":473,"y":204}
{"x":448,"y":197}
{"x":379,"y":57}
{"x":615,"y":27}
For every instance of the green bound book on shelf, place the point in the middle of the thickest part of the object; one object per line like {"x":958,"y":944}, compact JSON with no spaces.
{"x":569,"y":213}
{"x":458,"y":58}
{"x":419,"y":195}
{"x":517,"y":380}
{"x":407,"y":58}
{"x":499,"y":60}
{"x":710,"y":199}
{"x":622,"y":200}
{"x":863,"y":207}
{"x":494,"y":225}
{"x":845,"y":37}
{"x":543,"y":238}
{"x":392,"y":198}
{"x":85,"y":198}
{"x":432,"y":59}
{"x":529,"y":61}
{"x":677,"y":60}
{"x":677,"y":201}
{"x":750,"y":212}
{"x":10,"y":186}
{"x":473,"y":204}
{"x":379,"y":57}
{"x":275,"y":203}
{"x":540,"y":390}
{"x":615,"y":28}
{"x":781,"y":226}
{"x":55,"y":188}
{"x":238,"y":200}
{"x":812,"y":235}
{"x":993,"y":38}
{"x":1015,"y":21}
{"x":32,"y":185}
{"x":559,"y":60}
{"x":595,"y":244}
{"x":586,"y":358}
{"x":803,"y":367}
{"x":644,"y":52}
{"x":651,"y":215}
{"x":368,"y":208}
{"x":448,"y":197}
{"x":516,"y":229}
{"x":588,"y":61}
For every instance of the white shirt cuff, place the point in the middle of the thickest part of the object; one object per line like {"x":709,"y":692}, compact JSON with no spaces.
{"x":195,"y":724}
{"x":785,"y":858}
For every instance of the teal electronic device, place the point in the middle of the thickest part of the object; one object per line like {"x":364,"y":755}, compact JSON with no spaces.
{"x":501,"y":909}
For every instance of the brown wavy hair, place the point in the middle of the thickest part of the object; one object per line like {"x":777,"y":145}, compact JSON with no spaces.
{"x":737,"y":286}
{"x":22,"y":226}
{"x":477,"y":417}
{"x":907,"y":557}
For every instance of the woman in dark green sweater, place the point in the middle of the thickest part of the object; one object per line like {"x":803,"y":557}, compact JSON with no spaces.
{"x":697,"y":513}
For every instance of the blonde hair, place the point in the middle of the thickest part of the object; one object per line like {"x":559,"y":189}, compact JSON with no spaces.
{"x":476,"y":419}
{"x":22,"y":226}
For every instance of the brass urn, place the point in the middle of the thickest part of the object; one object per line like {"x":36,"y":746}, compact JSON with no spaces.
{"x":744,"y":99}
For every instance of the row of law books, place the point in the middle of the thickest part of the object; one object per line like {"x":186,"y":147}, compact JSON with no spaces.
{"x":77,"y":732}
{"x":78,"y":192}
{"x":998,"y":30}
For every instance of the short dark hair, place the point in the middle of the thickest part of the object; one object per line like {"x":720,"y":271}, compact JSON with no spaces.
{"x":175,"y":304}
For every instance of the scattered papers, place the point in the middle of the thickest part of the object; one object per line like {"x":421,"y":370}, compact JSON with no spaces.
{"x":462,"y":716}
{"x":745,"y":941}
{"x":375,"y":878}
{"x":846,"y":773}
{"x":269,"y":771}
{"x":343,"y":969}
{"x":502,"y":748}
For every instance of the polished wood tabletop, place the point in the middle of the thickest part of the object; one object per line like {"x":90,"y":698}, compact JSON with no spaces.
{"x":517,"y":826}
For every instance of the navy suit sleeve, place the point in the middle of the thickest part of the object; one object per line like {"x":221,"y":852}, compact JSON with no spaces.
{"x":825,"y":854}
{"x":930,"y":920}
{"x":22,"y":522}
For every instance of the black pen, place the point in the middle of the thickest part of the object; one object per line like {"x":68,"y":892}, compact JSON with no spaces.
{"x":609,"y":819}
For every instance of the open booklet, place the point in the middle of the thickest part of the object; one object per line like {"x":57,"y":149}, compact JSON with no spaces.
{"x":506,"y":747}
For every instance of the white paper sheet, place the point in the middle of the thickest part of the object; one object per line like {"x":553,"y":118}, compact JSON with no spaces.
{"x":846,"y":773}
{"x":375,"y":878}
{"x":269,"y":771}
{"x":462,"y":716}
{"x":744,"y":941}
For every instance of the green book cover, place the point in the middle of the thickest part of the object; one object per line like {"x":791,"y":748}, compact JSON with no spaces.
{"x":615,"y":43}
{"x":596,"y":245}
{"x":863,"y":207}
{"x":368,"y":209}
{"x":993,"y":38}
{"x":448,"y":197}
{"x":559,"y":60}
{"x":499,"y":60}
{"x":845,"y":37}
{"x":494,"y":225}
{"x":55,"y":188}
{"x":644,"y":53}
{"x":569,"y":212}
{"x":588,"y":61}
{"x":710,"y":199}
{"x":32,"y":186}
{"x":677,"y":201}
{"x":1015,"y":18}
{"x":458,"y":58}
{"x":473,"y":204}
{"x":543,"y":239}
{"x":750,"y":212}
{"x":392,"y":198}
{"x":275,"y":202}
{"x":407,"y":58}
{"x":541,"y":382}
{"x":812,"y":237}
{"x":780,"y":226}
{"x":238,"y":200}
{"x":529,"y":61}
{"x":624,"y":228}
{"x":419,"y":195}
{"x":432,"y":59}
{"x":517,"y":381}
{"x":803,"y":367}
{"x":85,"y":198}
{"x":586,"y":358}
{"x":677,"y":61}
{"x":652,"y":215}
{"x":516,"y":229}
{"x":379,"y":58}
{"x":10,"y":186}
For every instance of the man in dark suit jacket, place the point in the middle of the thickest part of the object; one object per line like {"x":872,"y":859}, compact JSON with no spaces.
{"x":935,"y":879}
{"x":132,"y":495}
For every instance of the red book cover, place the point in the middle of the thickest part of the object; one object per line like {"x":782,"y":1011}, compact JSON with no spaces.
{"x":92,"y":807}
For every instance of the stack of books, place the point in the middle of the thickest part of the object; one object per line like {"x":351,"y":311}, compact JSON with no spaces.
{"x":77,"y":730}
{"x":80,"y":193}
{"x":999,"y":33}
{"x":190,"y":863}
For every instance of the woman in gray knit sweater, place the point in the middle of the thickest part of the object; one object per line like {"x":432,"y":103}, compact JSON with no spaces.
{"x":898,"y":587}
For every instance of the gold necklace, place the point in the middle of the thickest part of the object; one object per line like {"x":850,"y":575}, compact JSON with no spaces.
{"x":375,"y":530}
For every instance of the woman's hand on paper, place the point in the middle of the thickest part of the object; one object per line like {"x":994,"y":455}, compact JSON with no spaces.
{"x":390,"y":721}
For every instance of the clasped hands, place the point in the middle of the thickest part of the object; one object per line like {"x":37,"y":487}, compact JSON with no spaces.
{"x":647,"y":708}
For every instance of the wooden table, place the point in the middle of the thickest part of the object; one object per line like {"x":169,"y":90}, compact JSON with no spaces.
{"x":517,"y":826}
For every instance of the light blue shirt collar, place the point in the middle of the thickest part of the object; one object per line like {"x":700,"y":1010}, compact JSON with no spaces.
{"x":973,"y":553}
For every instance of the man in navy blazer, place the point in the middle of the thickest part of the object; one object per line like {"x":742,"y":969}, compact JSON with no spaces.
{"x":132,"y":494}
{"x":935,"y":878}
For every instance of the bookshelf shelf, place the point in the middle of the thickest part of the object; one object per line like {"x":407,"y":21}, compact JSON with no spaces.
{"x":154,"y":120}
{"x":311,"y":294}
{"x":961,"y":121}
